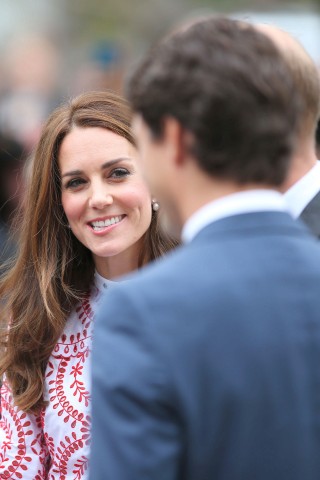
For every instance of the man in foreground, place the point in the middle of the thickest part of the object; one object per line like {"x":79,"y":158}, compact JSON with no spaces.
{"x":206,"y":364}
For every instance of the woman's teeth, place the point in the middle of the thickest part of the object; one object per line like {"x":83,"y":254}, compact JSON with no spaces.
{"x":101,"y":224}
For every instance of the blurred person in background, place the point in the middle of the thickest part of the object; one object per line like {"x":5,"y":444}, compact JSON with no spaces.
{"x":11,"y":190}
{"x":30,"y":87}
{"x":206,"y":364}
{"x":104,"y":69}
{"x":302,"y":187}
{"x":318,"y":140}
{"x":88,"y":218}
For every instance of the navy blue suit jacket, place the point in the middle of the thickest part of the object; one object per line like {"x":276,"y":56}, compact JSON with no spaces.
{"x":206,"y":365}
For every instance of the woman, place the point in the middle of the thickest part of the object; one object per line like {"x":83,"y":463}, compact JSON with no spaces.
{"x":88,"y":218}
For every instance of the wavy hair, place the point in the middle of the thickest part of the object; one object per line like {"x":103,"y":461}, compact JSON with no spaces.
{"x":53,"y":270}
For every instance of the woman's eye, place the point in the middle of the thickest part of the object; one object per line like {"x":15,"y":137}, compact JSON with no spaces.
{"x":119,"y":173}
{"x":75,"y":182}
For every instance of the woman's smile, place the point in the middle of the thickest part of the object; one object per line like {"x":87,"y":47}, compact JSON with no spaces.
{"x":104,"y":225}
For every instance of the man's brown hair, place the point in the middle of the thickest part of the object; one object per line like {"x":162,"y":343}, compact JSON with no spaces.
{"x":228,"y":85}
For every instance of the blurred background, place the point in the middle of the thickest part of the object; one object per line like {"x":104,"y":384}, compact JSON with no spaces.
{"x":51,"y":50}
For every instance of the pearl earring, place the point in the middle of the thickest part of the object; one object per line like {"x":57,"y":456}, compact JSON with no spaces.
{"x":155,"y":205}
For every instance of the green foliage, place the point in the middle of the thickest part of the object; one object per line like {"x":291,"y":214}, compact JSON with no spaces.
{"x":146,"y":20}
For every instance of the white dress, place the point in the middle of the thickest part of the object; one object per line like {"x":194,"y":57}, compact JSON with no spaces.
{"x":54,"y":445}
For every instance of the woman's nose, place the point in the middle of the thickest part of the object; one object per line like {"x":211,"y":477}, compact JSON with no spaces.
{"x":100,"y":197}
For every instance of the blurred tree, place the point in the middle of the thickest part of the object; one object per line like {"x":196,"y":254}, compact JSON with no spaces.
{"x":120,"y":19}
{"x":129,"y":27}
{"x":134,"y":21}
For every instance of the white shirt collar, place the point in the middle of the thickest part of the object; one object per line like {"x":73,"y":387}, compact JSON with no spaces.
{"x":234,"y":204}
{"x":303,"y":191}
{"x":102,"y":283}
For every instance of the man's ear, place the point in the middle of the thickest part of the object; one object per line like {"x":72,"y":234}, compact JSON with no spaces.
{"x":174,"y":136}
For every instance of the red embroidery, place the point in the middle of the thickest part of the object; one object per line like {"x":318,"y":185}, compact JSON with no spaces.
{"x":54,"y":445}
{"x":19,"y":434}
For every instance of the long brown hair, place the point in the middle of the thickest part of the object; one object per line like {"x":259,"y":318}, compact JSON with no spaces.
{"x":53,"y":270}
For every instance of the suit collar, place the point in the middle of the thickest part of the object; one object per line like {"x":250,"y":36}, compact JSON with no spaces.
{"x":233,"y":204}
{"x":303,"y":191}
{"x":311,"y":215}
{"x":260,"y":223}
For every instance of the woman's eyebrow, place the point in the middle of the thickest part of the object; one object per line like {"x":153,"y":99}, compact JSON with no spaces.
{"x":107,"y":164}
{"x":115,"y":161}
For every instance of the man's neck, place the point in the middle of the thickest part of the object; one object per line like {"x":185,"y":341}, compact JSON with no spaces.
{"x":210,"y":190}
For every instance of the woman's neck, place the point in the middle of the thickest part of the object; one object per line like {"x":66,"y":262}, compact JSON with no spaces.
{"x":118,"y":265}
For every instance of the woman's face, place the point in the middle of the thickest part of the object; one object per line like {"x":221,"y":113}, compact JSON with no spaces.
{"x":105,"y":199}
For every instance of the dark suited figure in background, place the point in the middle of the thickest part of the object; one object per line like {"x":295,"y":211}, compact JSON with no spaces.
{"x":11,"y":186}
{"x":302,"y":187}
{"x":206,"y":364}
{"x":318,"y":140}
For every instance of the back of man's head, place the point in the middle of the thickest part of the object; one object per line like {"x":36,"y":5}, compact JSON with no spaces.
{"x":306,"y":77}
{"x":229,"y":87}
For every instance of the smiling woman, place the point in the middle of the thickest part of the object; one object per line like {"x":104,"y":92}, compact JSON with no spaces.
{"x":87,"y":219}
{"x":104,"y":197}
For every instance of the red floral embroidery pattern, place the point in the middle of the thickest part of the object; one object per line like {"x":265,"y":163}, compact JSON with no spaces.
{"x":54,"y":445}
{"x":22,"y":440}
